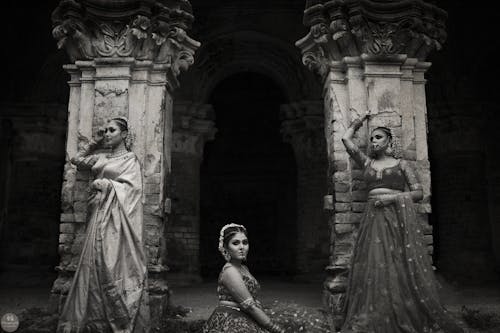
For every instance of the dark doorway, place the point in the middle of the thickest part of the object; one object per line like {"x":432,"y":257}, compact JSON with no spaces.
{"x":248,"y":176}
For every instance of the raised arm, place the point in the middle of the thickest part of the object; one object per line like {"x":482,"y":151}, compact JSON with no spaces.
{"x":85,"y":157}
{"x":233,"y":281}
{"x":416,"y":191}
{"x":352,"y":149}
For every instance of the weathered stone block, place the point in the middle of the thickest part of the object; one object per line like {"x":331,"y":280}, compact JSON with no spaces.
{"x":67,"y":217}
{"x":357,"y":175}
{"x":359,"y":195}
{"x":152,"y":252}
{"x":64,"y":249}
{"x":342,"y":207}
{"x":67,"y":228}
{"x":328,"y":202}
{"x":344,"y":228}
{"x":340,"y":165}
{"x":153,"y":179}
{"x":342,"y":259}
{"x":343,"y":197}
{"x":342,"y":218}
{"x":153,"y":210}
{"x":152,"y":235}
{"x":336,"y":284}
{"x":341,"y":177}
{"x":358,"y":207}
{"x":66,"y":238}
{"x":410,"y":154}
{"x":80,"y":207}
{"x":152,"y":199}
{"x":358,"y":185}
{"x":355,"y":217}
{"x":151,"y":188}
{"x":342,"y":187}
{"x":80,"y":217}
{"x":424,"y":208}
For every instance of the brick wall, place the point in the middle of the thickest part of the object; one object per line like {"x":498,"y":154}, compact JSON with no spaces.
{"x":31,"y":197}
{"x":183,"y":227}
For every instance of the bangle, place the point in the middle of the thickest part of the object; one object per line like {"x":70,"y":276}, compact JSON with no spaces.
{"x":356,"y":124}
{"x":274,"y":328}
{"x":248,"y":303}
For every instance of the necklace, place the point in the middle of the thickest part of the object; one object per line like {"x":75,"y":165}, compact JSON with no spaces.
{"x":117,"y":154}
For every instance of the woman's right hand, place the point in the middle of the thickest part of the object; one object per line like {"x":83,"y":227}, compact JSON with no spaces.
{"x":99,"y":137}
{"x":357,"y":123}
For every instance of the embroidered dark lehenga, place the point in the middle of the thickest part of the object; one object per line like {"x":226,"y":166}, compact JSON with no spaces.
{"x":108,"y":293}
{"x":392,"y":287}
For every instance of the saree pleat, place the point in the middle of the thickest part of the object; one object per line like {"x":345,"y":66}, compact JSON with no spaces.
{"x":392,"y":287}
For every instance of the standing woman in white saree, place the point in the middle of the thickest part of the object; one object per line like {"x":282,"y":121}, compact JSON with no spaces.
{"x":109,"y":289}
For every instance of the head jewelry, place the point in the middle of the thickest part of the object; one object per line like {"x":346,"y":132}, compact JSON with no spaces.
{"x":222,"y":250}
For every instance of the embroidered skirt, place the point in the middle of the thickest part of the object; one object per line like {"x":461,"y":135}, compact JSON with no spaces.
{"x":226,"y":319}
{"x":392,"y":287}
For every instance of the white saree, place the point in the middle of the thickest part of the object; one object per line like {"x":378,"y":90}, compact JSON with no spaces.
{"x":109,"y":290}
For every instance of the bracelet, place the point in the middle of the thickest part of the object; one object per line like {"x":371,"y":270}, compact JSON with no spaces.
{"x":248,"y":303}
{"x":274,"y":328}
{"x":356,"y":124}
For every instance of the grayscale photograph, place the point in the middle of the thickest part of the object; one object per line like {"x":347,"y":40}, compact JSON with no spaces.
{"x":249,"y":166}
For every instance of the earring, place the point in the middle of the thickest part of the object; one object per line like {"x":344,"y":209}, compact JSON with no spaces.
{"x":226,"y":255}
{"x":389,"y":149}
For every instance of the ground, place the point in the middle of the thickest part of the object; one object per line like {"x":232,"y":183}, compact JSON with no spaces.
{"x":482,"y":303}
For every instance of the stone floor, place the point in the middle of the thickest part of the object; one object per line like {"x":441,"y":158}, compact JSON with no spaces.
{"x":201,"y":298}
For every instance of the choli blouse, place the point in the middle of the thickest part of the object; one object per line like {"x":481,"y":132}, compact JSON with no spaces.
{"x":251,"y":284}
{"x":394,"y":177}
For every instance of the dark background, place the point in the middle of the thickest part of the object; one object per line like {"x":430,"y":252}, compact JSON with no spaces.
{"x":463,"y":120}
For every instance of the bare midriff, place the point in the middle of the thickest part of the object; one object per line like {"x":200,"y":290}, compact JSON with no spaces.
{"x":379,"y":191}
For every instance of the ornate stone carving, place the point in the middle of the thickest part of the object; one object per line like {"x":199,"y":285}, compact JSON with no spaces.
{"x":302,"y":127}
{"x":351,"y":28}
{"x":145,"y":31}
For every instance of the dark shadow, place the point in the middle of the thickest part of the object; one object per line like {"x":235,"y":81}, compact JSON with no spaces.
{"x":248,"y":176}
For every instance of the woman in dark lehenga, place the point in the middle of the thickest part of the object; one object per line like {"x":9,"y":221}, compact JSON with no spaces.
{"x":391,"y":288}
{"x":238,"y":311}
{"x":108,"y":293}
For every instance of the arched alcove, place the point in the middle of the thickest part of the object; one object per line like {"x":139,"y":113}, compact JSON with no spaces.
{"x":248,"y":176}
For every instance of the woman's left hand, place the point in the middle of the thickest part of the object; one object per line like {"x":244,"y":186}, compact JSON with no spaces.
{"x":99,"y":185}
{"x":383,"y":200}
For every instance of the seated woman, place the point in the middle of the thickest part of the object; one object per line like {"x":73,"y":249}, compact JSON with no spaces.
{"x":108,"y":293}
{"x":391,"y":285}
{"x":239,"y":311}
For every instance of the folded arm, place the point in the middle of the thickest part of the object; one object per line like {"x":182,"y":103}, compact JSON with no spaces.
{"x":85,"y":157}
{"x":233,"y":281}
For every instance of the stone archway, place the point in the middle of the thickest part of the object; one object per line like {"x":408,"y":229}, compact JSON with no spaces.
{"x":248,"y":176}
{"x":221,"y":57}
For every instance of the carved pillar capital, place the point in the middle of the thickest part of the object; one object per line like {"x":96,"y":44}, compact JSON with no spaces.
{"x":341,"y":29}
{"x":144,"y":30}
{"x":193,"y":127}
{"x":302,"y":127}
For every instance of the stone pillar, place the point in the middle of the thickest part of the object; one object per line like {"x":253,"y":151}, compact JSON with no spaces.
{"x":370,"y":56}
{"x":193,"y":127}
{"x":302,"y":127}
{"x":126,"y":58}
